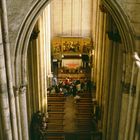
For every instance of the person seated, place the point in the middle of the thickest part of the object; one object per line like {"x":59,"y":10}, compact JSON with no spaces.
{"x":77,"y":99}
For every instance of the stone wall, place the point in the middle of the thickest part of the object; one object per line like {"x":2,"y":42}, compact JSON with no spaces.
{"x":132,"y":10}
{"x":17,"y":11}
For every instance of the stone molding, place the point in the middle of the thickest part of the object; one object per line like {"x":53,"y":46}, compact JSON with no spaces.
{"x":16,"y":91}
{"x":34,"y":35}
{"x":114,"y":36}
{"x":103,"y":8}
{"x":23,"y":89}
{"x":127,"y":88}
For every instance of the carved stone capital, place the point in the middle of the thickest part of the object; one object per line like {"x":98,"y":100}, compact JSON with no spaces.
{"x":114,"y":36}
{"x":133,"y":90}
{"x":103,"y":8}
{"x":127,"y":88}
{"x":34,"y":34}
{"x":16,"y":91}
{"x":23,"y":89}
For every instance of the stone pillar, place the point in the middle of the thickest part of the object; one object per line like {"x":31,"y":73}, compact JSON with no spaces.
{"x":1,"y":130}
{"x":23,"y":112}
{"x":107,"y":64}
{"x":6,"y":47}
{"x":126,"y":78}
{"x":30,"y":92}
{"x":45,"y":56}
{"x":38,"y":74}
{"x":16,"y":91}
{"x":100,"y":58}
{"x":102,"y":62}
{"x":4,"y":100}
{"x":47,"y":33}
{"x":96,"y":42}
{"x":99,"y":55}
{"x":137,"y":128}
{"x":117,"y":93}
{"x":135,"y":108}
{"x":33,"y":75}
{"x":130,"y":105}
{"x":33,"y":79}
{"x":114,"y":90}
{"x":41,"y":60}
{"x":111,"y":93}
{"x":132,"y":123}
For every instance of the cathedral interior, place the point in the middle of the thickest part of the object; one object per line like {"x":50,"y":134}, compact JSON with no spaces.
{"x":69,"y":70}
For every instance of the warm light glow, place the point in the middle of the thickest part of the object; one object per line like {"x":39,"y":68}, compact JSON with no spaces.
{"x":137,"y":59}
{"x":136,"y":56}
{"x":92,"y":52}
{"x":138,"y":63}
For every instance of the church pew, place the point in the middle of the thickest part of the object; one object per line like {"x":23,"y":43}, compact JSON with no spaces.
{"x":55,"y":138}
{"x":55,"y":95}
{"x":84,"y":103}
{"x":58,"y":99}
{"x":54,"y":131}
{"x":56,"y":120}
{"x":55,"y":126}
{"x":56,"y":109}
{"x":56,"y":103}
{"x":81,"y":109}
{"x":56,"y":115}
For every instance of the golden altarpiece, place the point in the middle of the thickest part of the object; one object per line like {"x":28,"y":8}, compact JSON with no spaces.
{"x":71,"y":57}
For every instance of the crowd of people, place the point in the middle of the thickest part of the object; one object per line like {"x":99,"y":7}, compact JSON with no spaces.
{"x":70,"y":87}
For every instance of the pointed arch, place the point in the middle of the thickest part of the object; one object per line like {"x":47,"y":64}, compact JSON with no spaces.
{"x":23,"y":40}
{"x":122,"y":23}
{"x":27,"y":26}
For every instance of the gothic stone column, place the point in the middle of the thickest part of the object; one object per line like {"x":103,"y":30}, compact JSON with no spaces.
{"x":23,"y":112}
{"x":4,"y":101}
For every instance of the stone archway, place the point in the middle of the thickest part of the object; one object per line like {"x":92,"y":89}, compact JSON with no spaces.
{"x":30,"y":20}
{"x":26,"y":30}
{"x":122,"y":24}
{"x":23,"y":40}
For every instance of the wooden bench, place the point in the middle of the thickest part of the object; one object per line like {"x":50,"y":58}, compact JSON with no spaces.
{"x":84,"y":103}
{"x":56,"y":110}
{"x":83,"y":119}
{"x":85,"y":95}
{"x":55,"y":137}
{"x":86,"y":110}
{"x":83,"y":137}
{"x":54,"y":131}
{"x":83,"y":115}
{"x":60,"y":99}
{"x":56,"y":106}
{"x":55,"y":103}
{"x":55,"y":127}
{"x":84,"y":124}
{"x":86,"y":98}
{"x":56,"y":120}
{"x":56,"y":114}
{"x":55,"y":95}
